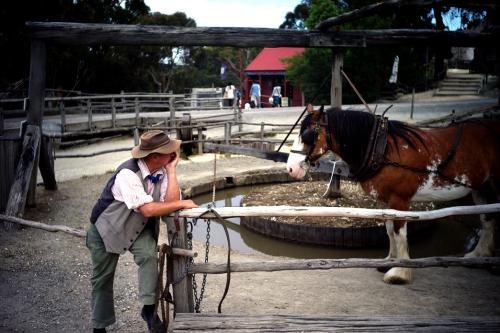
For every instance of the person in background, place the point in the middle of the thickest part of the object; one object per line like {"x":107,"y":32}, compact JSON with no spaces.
{"x":255,"y":94}
{"x":229,"y":93}
{"x":126,"y":218}
{"x":276,"y":96}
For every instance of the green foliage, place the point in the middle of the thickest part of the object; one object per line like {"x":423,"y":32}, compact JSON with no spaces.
{"x":368,"y":68}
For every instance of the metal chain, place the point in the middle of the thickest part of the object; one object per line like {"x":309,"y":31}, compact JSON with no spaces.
{"x":199,"y":298}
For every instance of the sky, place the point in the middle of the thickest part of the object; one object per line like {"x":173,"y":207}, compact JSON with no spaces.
{"x":228,"y":13}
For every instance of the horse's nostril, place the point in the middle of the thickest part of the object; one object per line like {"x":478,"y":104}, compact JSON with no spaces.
{"x":290,"y":170}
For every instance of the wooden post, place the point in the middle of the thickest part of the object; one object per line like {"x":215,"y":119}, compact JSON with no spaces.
{"x":412,"y":102}
{"x":25,"y":167}
{"x":62,"y":113}
{"x":336,"y":87}
{"x":171,"y":101}
{"x":200,"y":140}
{"x":336,"y":101}
{"x":1,"y":121}
{"x":137,"y":110}
{"x":261,"y":135}
{"x":136,"y":136}
{"x":113,"y":113}
{"x":47,"y":164}
{"x":182,"y":287}
{"x":36,"y":95}
{"x":240,"y":119}
{"x":89,"y":114}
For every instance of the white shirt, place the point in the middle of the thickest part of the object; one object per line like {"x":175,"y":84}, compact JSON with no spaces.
{"x":230,"y":91}
{"x":128,"y":187}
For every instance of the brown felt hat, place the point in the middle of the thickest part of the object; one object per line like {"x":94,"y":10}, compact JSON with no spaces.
{"x":155,"y":141}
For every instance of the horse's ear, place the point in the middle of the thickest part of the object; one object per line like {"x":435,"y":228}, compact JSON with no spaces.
{"x":309,"y":108}
{"x":321,"y":109}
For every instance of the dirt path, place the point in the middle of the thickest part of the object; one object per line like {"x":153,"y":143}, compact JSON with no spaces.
{"x":44,"y":277}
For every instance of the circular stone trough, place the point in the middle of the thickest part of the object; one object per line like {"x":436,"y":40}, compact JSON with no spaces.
{"x":278,"y":188}
{"x":332,"y":231}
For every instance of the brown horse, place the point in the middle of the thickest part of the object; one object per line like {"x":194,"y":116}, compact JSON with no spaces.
{"x":397,"y":163}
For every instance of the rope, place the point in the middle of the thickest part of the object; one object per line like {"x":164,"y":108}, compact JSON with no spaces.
{"x":331,"y":178}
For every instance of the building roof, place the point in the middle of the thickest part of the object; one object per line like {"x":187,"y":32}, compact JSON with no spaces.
{"x":269,"y":59}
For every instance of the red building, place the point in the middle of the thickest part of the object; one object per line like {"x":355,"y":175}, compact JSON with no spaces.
{"x":269,"y":69}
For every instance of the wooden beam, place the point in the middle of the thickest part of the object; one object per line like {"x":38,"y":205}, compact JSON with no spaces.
{"x":36,"y":88}
{"x":36,"y":96}
{"x":117,"y":34}
{"x":392,"y":5}
{"x":380,"y":214}
{"x":314,"y":264}
{"x":415,"y":322}
{"x":75,"y":232}
{"x":25,"y":167}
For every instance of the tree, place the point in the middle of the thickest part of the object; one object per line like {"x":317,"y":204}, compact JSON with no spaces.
{"x":368,"y":68}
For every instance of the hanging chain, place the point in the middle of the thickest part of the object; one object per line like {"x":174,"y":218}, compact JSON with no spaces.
{"x":199,"y":298}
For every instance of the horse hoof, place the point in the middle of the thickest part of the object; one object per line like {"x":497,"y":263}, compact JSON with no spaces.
{"x":398,"y":275}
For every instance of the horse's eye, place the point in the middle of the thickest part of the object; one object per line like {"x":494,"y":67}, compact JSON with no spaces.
{"x":308,"y":137}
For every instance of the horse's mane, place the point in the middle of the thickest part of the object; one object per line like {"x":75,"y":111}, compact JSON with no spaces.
{"x":352,"y":129}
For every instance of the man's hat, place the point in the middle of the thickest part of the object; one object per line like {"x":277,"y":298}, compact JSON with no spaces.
{"x":155,"y":141}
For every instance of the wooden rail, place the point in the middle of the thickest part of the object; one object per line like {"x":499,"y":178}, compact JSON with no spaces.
{"x":231,"y":323}
{"x":315,"y":264}
{"x":380,"y":214}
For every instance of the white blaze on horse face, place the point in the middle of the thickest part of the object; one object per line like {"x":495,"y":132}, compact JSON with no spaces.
{"x":429,"y":191}
{"x":295,"y":165}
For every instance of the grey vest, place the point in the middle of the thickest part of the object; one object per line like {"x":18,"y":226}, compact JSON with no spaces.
{"x":119,"y":226}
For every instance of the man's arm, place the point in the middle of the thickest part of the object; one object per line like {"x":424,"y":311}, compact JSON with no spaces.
{"x":165,"y":208}
{"x":172,"y":200}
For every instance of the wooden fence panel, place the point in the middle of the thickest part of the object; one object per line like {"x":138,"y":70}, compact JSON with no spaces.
{"x":10,"y":151}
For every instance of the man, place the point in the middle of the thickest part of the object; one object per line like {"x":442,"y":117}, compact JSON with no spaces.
{"x":126,"y":217}
{"x":255,"y":94}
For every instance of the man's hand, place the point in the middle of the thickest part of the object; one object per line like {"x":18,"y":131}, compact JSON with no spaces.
{"x":172,"y":163}
{"x":189,"y":204}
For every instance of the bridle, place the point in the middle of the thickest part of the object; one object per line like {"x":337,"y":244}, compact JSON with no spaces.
{"x":314,"y":133}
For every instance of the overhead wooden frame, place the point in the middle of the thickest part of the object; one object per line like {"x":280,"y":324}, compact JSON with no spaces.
{"x":117,"y":34}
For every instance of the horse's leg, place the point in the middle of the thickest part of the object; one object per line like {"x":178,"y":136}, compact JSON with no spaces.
{"x":389,"y":227}
{"x":399,"y":275}
{"x":485,"y":247}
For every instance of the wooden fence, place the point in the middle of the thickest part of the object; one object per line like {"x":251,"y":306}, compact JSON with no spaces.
{"x":94,"y":113}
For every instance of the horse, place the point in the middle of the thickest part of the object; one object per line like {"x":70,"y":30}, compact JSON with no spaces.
{"x":396,"y":163}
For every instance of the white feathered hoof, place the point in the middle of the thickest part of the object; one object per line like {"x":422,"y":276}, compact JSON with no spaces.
{"x":398,"y":275}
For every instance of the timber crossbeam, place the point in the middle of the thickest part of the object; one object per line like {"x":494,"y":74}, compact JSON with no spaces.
{"x":118,"y":34}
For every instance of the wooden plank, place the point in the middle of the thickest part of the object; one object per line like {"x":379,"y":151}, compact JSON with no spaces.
{"x":314,"y":264}
{"x":118,"y":34}
{"x":208,"y":322}
{"x":25,"y":168}
{"x":380,"y":214}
